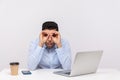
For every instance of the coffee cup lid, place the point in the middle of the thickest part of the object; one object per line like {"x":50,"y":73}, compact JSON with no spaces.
{"x":14,"y":63}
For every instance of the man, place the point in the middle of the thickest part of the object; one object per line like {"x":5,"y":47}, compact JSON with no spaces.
{"x":49,"y":51}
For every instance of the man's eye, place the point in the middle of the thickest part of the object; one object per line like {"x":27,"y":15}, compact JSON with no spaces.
{"x":45,"y":35}
{"x":54,"y":35}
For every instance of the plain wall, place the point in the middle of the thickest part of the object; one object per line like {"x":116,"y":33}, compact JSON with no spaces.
{"x":86,"y":24}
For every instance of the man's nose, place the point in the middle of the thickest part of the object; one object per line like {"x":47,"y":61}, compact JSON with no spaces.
{"x":49,"y":38}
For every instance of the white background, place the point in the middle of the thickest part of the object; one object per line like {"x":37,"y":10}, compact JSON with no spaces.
{"x":86,"y":24}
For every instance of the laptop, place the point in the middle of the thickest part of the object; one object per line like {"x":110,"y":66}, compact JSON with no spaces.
{"x":84,"y":63}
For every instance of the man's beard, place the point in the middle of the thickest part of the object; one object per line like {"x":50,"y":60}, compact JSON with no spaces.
{"x":50,"y":45}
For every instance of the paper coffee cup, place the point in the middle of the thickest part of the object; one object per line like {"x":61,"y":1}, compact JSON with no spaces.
{"x":14,"y":68}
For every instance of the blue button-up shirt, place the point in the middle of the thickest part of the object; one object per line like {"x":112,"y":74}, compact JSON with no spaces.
{"x":45,"y":58}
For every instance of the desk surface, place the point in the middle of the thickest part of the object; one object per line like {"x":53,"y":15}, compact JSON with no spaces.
{"x":47,"y":74}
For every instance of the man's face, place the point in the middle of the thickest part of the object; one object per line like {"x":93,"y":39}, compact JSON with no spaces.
{"x":50,"y":33}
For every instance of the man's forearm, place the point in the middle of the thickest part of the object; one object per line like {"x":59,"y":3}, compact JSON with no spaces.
{"x":65,"y":58}
{"x":35,"y":58}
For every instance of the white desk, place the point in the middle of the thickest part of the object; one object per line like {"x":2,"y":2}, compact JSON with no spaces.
{"x":47,"y":74}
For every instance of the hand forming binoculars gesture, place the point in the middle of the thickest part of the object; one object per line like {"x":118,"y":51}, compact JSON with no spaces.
{"x":50,"y":37}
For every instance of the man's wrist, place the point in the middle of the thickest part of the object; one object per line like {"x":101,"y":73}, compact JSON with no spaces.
{"x":41,"y":44}
{"x":59,"y":45}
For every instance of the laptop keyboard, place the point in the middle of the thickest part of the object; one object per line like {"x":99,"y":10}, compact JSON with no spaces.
{"x":63,"y":72}
{"x":67,"y":73}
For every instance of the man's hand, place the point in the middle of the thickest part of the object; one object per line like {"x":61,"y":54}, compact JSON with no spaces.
{"x":56,"y":38}
{"x":43,"y":37}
